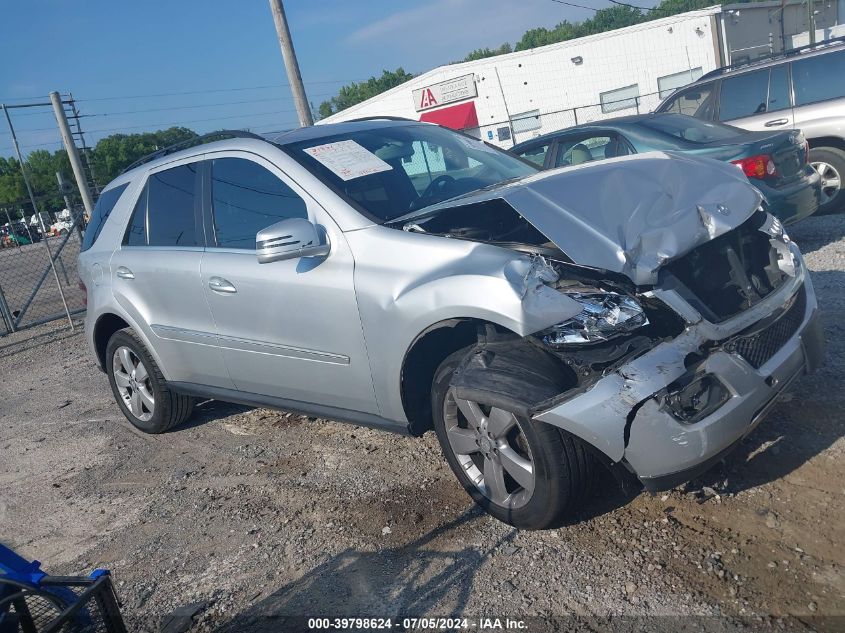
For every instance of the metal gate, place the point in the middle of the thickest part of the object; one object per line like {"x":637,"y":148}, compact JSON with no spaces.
{"x":29,"y":294}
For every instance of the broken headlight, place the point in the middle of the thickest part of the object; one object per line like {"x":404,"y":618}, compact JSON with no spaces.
{"x":603,"y":316}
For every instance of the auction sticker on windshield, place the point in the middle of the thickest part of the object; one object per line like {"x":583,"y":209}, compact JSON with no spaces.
{"x":348,"y":159}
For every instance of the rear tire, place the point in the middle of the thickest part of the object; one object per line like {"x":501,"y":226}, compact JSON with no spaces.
{"x":830,"y":163}
{"x":559,"y":463}
{"x":139,"y":387}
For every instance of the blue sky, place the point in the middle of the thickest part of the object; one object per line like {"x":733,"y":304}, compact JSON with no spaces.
{"x":123,"y":60}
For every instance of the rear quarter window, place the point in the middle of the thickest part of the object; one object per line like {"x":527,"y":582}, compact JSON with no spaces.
{"x":819,"y":78}
{"x":102,"y":210}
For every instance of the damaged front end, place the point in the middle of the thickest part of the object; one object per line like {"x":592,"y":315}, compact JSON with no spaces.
{"x":662,"y":379}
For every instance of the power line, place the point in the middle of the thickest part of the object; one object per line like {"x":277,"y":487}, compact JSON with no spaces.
{"x":190,"y":92}
{"x":167,"y":123}
{"x":177,"y":107}
{"x":577,"y":6}
{"x":633,"y":6}
{"x":198,"y":92}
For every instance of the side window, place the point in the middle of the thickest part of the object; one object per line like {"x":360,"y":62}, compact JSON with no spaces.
{"x":779,"y":88}
{"x":697,"y":102}
{"x":136,"y":234}
{"x":536,"y":154}
{"x":744,"y":95}
{"x":102,"y":210}
{"x":171,"y":213}
{"x":819,"y":78}
{"x":246,"y":198}
{"x":586,"y":149}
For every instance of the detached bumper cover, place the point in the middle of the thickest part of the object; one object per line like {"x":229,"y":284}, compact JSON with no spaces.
{"x":624,"y":413}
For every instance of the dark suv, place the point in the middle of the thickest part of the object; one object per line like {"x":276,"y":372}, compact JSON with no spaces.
{"x":803,"y":88}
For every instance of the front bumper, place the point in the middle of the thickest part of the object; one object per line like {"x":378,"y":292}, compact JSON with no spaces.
{"x":624,"y":414}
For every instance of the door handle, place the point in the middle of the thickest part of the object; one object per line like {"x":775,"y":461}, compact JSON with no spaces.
{"x":124,"y":273}
{"x":775,"y":122}
{"x":218,"y":284}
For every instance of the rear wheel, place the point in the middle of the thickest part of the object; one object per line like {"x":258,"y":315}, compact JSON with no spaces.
{"x":140,"y":388}
{"x":830,"y":163}
{"x":525,"y":473}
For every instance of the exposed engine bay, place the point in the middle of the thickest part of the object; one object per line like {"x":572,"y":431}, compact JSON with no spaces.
{"x":618,"y":320}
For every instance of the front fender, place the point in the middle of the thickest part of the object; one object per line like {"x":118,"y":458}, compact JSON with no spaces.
{"x":406,"y":282}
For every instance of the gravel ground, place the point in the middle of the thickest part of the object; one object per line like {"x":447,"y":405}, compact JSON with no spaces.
{"x":263,"y":515}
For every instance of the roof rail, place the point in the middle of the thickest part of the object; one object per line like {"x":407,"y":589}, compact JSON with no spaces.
{"x":773,"y":57}
{"x":192,"y":142}
{"x":382,"y":118}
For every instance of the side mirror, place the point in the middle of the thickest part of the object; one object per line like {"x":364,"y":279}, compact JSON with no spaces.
{"x":290,"y":239}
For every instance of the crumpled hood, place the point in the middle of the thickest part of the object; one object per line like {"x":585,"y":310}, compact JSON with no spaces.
{"x":633,"y":214}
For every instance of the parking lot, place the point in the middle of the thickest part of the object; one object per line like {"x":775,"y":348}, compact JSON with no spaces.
{"x":260,"y":515}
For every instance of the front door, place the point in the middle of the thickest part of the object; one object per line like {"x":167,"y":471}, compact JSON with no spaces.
{"x":288,"y":329}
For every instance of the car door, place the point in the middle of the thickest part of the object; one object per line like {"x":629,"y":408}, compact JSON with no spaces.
{"x":758,"y":100}
{"x":156,"y":276}
{"x":288,"y":329}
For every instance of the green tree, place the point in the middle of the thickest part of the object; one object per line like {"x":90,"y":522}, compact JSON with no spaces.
{"x":481,"y":53}
{"x":115,"y":153}
{"x":357,"y":92}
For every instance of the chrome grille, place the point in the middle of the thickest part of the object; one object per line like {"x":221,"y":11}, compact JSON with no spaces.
{"x":759,"y":347}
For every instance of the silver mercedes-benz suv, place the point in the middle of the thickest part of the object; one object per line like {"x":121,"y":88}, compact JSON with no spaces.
{"x":643,"y":313}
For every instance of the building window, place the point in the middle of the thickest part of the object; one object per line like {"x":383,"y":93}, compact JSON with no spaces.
{"x":525,"y":121}
{"x":669,"y":83}
{"x":619,"y":99}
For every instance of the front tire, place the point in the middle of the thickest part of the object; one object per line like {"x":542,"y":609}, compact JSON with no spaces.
{"x":830,"y":163}
{"x":139,"y":387}
{"x":528,"y":474}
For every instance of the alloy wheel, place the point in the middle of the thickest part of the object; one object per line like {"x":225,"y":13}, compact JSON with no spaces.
{"x":831,"y":180}
{"x":133,"y":383}
{"x":491,"y":447}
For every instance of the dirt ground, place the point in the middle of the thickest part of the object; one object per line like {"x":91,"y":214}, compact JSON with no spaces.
{"x":262,"y":515}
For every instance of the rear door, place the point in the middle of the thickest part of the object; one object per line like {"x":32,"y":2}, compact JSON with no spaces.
{"x":288,"y":329}
{"x":757,"y":100}
{"x":156,"y":276}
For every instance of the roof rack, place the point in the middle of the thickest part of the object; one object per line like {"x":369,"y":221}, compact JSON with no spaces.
{"x":774,"y":56}
{"x":382,"y":118}
{"x":192,"y":142}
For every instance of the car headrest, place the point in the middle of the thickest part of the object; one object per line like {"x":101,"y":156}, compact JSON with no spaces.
{"x":615,"y":148}
{"x":579,"y":154}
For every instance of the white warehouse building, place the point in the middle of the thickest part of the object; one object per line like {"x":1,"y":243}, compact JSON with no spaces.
{"x":510,"y":98}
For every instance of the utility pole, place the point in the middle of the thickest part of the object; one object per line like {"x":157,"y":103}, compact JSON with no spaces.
{"x":65,"y":188}
{"x":291,"y":65}
{"x":73,"y":155}
{"x":811,"y":22}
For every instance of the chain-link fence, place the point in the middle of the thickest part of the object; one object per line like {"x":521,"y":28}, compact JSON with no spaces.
{"x":32,"y":290}
{"x":524,"y":127}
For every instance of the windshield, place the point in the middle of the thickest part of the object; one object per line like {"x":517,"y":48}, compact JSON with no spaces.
{"x":395,"y":170}
{"x":690,"y":129}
